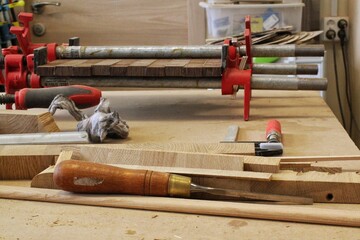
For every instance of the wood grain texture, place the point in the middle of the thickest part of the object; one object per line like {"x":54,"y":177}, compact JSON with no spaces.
{"x":24,"y":121}
{"x":102,"y":68}
{"x":23,"y":167}
{"x":84,"y":69}
{"x":200,"y":172}
{"x":134,"y":68}
{"x":90,"y":177}
{"x":65,"y":68}
{"x":210,"y":148}
{"x":215,"y":208}
{"x":138,"y":22}
{"x":159,"y":158}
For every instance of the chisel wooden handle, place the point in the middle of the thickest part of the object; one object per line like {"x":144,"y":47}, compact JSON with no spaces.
{"x":88,"y":177}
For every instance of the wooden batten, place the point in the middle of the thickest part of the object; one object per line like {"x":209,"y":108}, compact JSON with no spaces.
{"x":26,"y":121}
{"x":308,"y":214}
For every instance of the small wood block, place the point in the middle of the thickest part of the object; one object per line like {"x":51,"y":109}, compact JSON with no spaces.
{"x":24,"y":121}
{"x":175,"y":68}
{"x":139,"y":67}
{"x":23,"y":167}
{"x":212,"y":68}
{"x":66,"y":69}
{"x":120,"y":68}
{"x":194,"y":68}
{"x":157,"y":68}
{"x":84,"y":69}
{"x":49,"y":69}
{"x":102,"y":68}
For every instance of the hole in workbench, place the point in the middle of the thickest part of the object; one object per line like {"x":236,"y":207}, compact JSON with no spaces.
{"x":329,"y":197}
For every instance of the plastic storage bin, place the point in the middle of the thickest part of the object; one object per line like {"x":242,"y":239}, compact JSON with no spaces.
{"x":228,"y":19}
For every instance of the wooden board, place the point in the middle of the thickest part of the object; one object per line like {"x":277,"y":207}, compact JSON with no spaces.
{"x":23,"y":121}
{"x":321,"y":186}
{"x":133,"y":68}
{"x":25,"y":161}
{"x":258,"y":211}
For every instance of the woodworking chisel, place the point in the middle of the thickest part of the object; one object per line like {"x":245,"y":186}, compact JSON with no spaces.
{"x":89,"y":177}
{"x":83,"y":96}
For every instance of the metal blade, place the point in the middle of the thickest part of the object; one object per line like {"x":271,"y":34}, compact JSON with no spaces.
{"x":251,"y":195}
{"x":44,"y":138}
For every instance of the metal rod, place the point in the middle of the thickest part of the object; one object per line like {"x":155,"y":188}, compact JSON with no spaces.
{"x":250,"y":195}
{"x":257,"y":82}
{"x":201,"y":51}
{"x":285,"y":69}
{"x":44,"y":138}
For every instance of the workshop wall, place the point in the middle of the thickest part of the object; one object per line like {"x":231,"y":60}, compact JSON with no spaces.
{"x":345,"y":8}
{"x":354,"y":59}
{"x":131,"y":22}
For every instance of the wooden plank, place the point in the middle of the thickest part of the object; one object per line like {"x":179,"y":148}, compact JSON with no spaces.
{"x":84,"y":69}
{"x":321,"y":186}
{"x":308,"y":166}
{"x":120,"y":68}
{"x":102,"y":68}
{"x":175,"y":67}
{"x":201,"y":172}
{"x":308,"y":214}
{"x":211,"y":148}
{"x":194,"y":68}
{"x":23,"y":167}
{"x":251,"y":163}
{"x":138,"y":68}
{"x":157,"y":68}
{"x":144,"y":158}
{"x":65,"y":69}
{"x":24,"y":121}
{"x":49,"y":68}
{"x":212,"y":68}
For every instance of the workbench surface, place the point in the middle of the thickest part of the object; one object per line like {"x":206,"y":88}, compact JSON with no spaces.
{"x":162,"y":116}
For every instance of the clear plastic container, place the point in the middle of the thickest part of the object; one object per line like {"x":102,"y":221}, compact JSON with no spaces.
{"x":228,"y":19}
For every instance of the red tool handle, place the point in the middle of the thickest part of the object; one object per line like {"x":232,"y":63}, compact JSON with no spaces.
{"x":83,"y":96}
{"x":273,"y":131}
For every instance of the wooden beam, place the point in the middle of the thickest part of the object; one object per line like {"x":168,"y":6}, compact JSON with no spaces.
{"x":133,"y":67}
{"x":308,"y":214}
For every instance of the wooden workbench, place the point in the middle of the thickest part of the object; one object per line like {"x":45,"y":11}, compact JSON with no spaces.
{"x":162,"y":116}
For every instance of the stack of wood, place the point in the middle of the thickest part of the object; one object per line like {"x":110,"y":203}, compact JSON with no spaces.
{"x":326,"y":180}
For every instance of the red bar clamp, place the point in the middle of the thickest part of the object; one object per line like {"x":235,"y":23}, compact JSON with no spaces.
{"x":232,"y":76}
{"x":19,"y":60}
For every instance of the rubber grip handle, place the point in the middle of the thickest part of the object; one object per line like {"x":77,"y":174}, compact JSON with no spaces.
{"x":83,"y":96}
{"x":88,"y":177}
{"x":273,"y":131}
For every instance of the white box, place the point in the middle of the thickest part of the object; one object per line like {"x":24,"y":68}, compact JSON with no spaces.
{"x":228,"y":19}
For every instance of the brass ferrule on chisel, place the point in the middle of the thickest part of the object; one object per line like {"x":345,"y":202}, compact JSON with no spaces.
{"x":179,"y":186}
